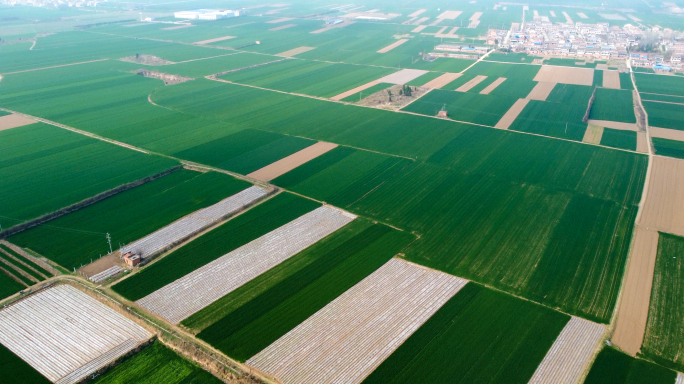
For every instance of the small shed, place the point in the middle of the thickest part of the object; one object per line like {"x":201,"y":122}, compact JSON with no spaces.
{"x":131,"y":260}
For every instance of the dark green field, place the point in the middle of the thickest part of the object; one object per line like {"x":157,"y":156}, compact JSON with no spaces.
{"x":257,"y":314}
{"x":25,"y":260}
{"x":15,"y":369}
{"x":367,"y":92}
{"x":664,"y":338}
{"x":8,"y":285}
{"x":235,"y":233}
{"x":664,"y":115}
{"x":78,"y":237}
{"x":614,"y":367}
{"x":619,"y":139}
{"x":157,"y":364}
{"x":664,"y":85}
{"x":613,"y":105}
{"x":666,"y":147}
{"x":478,"y":336}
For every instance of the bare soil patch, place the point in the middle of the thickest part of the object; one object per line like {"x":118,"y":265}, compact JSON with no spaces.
{"x":402,"y":77}
{"x":450,"y":15}
{"x":354,"y":90}
{"x":283,"y":27}
{"x":636,"y":293}
{"x":582,"y":15}
{"x":488,"y":89}
{"x":416,"y":13}
{"x":611,"y":79}
{"x":281,"y":20}
{"x":664,"y":207}
{"x":419,"y":28}
{"x":565,"y":75}
{"x":291,"y":162}
{"x":593,"y":134}
{"x":615,"y":125}
{"x":642,"y":142}
{"x":512,"y":114}
{"x":541,"y":91}
{"x":664,"y":133}
{"x":102,"y":264}
{"x":470,"y":84}
{"x":168,"y":79}
{"x":329,"y":27}
{"x":392,"y":46}
{"x":14,"y":121}
{"x":147,"y":60}
{"x":442,"y":80}
{"x":178,"y":27}
{"x":295,"y":51}
{"x":214,"y":40}
{"x":381,"y":99}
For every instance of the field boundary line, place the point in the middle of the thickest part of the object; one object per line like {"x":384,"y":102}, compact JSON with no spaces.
{"x":54,"y":66}
{"x":664,"y":102}
{"x":477,"y":61}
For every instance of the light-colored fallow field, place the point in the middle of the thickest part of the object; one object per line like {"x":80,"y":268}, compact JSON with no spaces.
{"x":664,"y":133}
{"x":214,"y":40}
{"x":471,"y":83}
{"x":392,"y":46}
{"x":355,"y":90}
{"x":295,"y":51}
{"x":402,"y":77}
{"x":419,"y":28}
{"x":488,"y":89}
{"x":541,"y":91}
{"x":512,"y":113}
{"x":636,"y":293}
{"x":615,"y":125}
{"x":442,"y":80}
{"x":565,"y":75}
{"x":611,"y":79}
{"x":351,"y":336}
{"x":593,"y":134}
{"x":283,"y":27}
{"x":14,"y":121}
{"x":664,"y":207}
{"x":291,"y":162}
{"x":642,"y":142}
{"x":281,"y":20}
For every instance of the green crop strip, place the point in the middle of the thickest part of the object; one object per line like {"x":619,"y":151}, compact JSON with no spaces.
{"x":664,"y":115}
{"x":667,"y":147}
{"x":14,"y":368}
{"x":619,"y":139}
{"x":26,"y":260}
{"x":235,"y":233}
{"x":615,"y":367}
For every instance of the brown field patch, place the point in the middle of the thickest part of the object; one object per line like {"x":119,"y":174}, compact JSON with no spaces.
{"x":450,"y":15}
{"x":565,"y":75}
{"x":611,"y":79}
{"x":512,"y":114}
{"x":295,"y":51}
{"x":593,"y":134}
{"x":177,"y":27}
{"x":281,"y":20}
{"x":636,"y":293}
{"x":615,"y":125}
{"x":642,"y":142}
{"x":470,"y":84}
{"x":442,"y":80}
{"x":291,"y":162}
{"x":214,"y":40}
{"x":664,"y":207}
{"x":283,"y":27}
{"x":354,"y":90}
{"x":14,"y":121}
{"x":664,"y":133}
{"x":392,"y":46}
{"x":402,"y":77}
{"x":488,"y":89}
{"x":582,"y":15}
{"x":541,"y":91}
{"x":416,"y":13}
{"x":567,"y":18}
{"x":329,"y":27}
{"x":419,"y":28}
{"x":421,"y":21}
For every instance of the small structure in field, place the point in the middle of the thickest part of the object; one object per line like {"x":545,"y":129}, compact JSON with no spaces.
{"x":443,"y":112}
{"x":131,"y":259}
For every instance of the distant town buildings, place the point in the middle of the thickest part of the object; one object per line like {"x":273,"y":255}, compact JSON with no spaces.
{"x":206,"y":14}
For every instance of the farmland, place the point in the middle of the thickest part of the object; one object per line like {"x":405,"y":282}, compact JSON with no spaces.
{"x":8,"y":285}
{"x":613,"y":105}
{"x":667,"y":147}
{"x":619,"y":139}
{"x":663,"y":338}
{"x":482,"y":334}
{"x":664,"y":115}
{"x":214,"y":244}
{"x":76,"y":238}
{"x":9,"y":362}
{"x":664,"y":85}
{"x":47,"y":168}
{"x":614,"y":367}
{"x":157,"y":364}
{"x":252,"y":317}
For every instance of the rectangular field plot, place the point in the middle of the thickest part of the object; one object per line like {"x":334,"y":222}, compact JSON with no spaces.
{"x":257,"y":314}
{"x":197,"y":290}
{"x":552,"y":119}
{"x":45,"y":168}
{"x":664,"y":208}
{"x":9,"y":284}
{"x":617,"y":138}
{"x":666,"y":147}
{"x":613,"y":105}
{"x":157,"y":364}
{"x":309,"y":77}
{"x":353,"y":334}
{"x":509,"y":71}
{"x":479,"y":336}
{"x":665,"y":115}
{"x":291,"y":162}
{"x":664,"y":337}
{"x":615,"y":367}
{"x":565,"y":75}
{"x":235,"y":233}
{"x":245,"y":151}
{"x":78,"y":237}
{"x":343,"y":175}
{"x":658,"y":84}
{"x":463,"y":106}
{"x":45,"y":329}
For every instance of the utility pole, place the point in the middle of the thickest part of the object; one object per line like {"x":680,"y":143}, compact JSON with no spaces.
{"x":109,"y":240}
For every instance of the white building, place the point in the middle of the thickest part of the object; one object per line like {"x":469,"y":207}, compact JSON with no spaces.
{"x":206,"y":14}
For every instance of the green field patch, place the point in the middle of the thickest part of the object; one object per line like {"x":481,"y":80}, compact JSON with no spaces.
{"x":666,"y":147}
{"x":509,"y":71}
{"x":598,"y":79}
{"x":20,"y":371}
{"x":572,"y":63}
{"x":366,"y":92}
{"x":157,"y":364}
{"x":25,"y":260}
{"x":245,"y":151}
{"x":309,"y":77}
{"x":510,"y":57}
{"x":21,"y":267}
{"x":562,"y":120}
{"x":615,"y":367}
{"x":458,"y":82}
{"x":235,"y":233}
{"x":665,"y":115}
{"x":657,"y":97}
{"x":483,"y":84}
{"x":518,"y":88}
{"x":463,"y":106}
{"x":254,"y":316}
{"x":45,"y":168}
{"x":613,"y":105}
{"x":661,"y":84}
{"x":342,"y":176}
{"x":570,"y":94}
{"x":664,"y":337}
{"x":424,"y":79}
{"x":13,"y":286}
{"x":79,"y":237}
{"x":626,"y":81}
{"x":619,"y":139}
{"x":479,"y":335}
